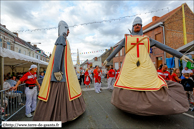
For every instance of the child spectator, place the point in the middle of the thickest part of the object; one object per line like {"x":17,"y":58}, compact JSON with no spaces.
{"x":188,"y":85}
{"x":175,"y":75}
{"x":87,"y":78}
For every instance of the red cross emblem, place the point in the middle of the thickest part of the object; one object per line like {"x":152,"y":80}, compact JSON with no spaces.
{"x":137,"y":46}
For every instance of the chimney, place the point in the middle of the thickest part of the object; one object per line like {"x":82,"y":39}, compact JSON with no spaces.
{"x":35,"y":45}
{"x":29,"y":42}
{"x":15,"y":33}
{"x":4,"y":26}
{"x":154,"y":18}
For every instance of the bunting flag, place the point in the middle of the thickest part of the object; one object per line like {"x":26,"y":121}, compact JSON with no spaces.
{"x":94,"y":22}
{"x":81,"y":53}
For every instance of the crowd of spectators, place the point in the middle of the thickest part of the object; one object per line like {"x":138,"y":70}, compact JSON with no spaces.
{"x":10,"y":81}
{"x":185,"y":77}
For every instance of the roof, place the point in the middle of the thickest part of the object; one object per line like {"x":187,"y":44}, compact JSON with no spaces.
{"x":6,"y":30}
{"x":17,"y":39}
{"x":84,"y":62}
{"x":162,"y":18}
{"x":105,"y":52}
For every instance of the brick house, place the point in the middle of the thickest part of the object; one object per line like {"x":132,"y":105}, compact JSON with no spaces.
{"x":167,"y":29}
{"x":118,"y":59}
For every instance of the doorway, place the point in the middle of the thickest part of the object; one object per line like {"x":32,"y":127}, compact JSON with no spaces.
{"x":159,"y":61}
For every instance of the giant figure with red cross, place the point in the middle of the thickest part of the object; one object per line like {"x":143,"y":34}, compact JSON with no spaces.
{"x":138,"y":88}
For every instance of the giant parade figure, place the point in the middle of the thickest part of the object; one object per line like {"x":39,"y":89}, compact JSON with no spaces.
{"x":138,"y":88}
{"x":60,"y":96}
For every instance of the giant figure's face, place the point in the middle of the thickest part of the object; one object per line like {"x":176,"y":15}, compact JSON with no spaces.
{"x":137,"y":27}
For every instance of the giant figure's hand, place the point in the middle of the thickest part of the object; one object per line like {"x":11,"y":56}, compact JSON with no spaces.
{"x":105,"y":62}
{"x":185,"y":58}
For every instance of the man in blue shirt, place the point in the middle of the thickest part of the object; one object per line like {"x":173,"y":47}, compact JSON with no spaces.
{"x":12,"y":81}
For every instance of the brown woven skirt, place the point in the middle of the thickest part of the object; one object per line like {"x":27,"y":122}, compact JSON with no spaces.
{"x":166,"y":101}
{"x":58,"y":107}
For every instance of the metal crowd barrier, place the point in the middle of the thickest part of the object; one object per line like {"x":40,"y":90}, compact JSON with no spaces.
{"x":11,"y":102}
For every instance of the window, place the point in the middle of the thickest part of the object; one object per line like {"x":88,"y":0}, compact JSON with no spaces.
{"x":121,"y":64}
{"x":36,"y":56}
{"x":9,"y":45}
{"x":117,"y":55}
{"x":159,"y":58}
{"x":19,"y":51}
{"x":24,"y":52}
{"x":1,"y":43}
{"x":116,"y":65}
{"x":121,"y":52}
{"x":29,"y":53}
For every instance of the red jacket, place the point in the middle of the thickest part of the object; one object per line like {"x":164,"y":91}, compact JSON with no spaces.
{"x":87,"y":75}
{"x":29,"y":78}
{"x":166,"y":75}
{"x":99,"y":77}
{"x":96,"y":78}
{"x":111,"y":73}
{"x":95,"y":71}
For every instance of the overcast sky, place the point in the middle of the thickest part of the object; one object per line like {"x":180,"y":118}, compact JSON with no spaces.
{"x":21,"y":15}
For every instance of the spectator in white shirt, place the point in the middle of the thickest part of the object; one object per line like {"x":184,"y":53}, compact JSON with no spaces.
{"x":8,"y":93}
{"x":186,"y":70}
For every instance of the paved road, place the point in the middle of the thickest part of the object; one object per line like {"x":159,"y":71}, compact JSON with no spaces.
{"x":100,"y":113}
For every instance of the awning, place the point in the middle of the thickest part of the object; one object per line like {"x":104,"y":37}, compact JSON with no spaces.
{"x":186,"y":50}
{"x":189,"y":47}
{"x":12,"y":58}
